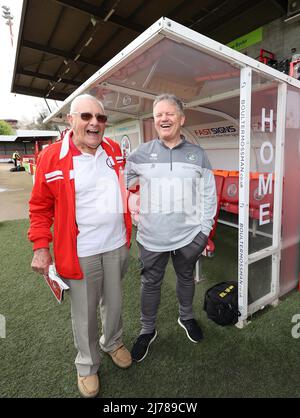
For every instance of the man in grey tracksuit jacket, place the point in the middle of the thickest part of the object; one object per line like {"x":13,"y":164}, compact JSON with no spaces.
{"x":177,"y":209}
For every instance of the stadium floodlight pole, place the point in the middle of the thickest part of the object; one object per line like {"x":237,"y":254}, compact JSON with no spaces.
{"x":9,"y":21}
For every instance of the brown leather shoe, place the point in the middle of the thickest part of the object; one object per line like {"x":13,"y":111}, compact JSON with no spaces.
{"x":121,"y":357}
{"x":88,"y":386}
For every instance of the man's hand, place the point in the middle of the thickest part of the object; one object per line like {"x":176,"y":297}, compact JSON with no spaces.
{"x":41,"y":261}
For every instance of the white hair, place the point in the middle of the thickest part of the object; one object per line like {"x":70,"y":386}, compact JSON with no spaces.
{"x":84,"y":97}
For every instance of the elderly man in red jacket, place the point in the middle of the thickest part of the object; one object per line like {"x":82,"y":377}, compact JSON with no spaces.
{"x":78,"y":187}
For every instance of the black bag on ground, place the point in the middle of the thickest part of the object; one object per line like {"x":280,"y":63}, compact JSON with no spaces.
{"x":221,"y":303}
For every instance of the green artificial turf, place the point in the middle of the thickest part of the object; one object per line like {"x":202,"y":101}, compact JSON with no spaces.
{"x":37,"y":355}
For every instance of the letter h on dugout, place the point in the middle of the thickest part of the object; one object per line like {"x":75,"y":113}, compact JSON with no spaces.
{"x":246,"y":116}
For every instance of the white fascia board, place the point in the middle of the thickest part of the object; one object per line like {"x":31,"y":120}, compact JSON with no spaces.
{"x":135,"y":48}
{"x":8,"y":138}
{"x":34,"y":133}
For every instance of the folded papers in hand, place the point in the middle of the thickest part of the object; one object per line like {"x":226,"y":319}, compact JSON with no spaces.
{"x":56,"y":284}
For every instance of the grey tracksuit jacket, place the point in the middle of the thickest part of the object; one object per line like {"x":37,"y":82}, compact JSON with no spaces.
{"x":177,"y":193}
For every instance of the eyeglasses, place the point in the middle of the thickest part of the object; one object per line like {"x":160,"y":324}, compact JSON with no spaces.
{"x":86,"y":116}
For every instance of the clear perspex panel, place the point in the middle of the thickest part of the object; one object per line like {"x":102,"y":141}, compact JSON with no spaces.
{"x":259,"y":279}
{"x":169,"y":67}
{"x":289,"y":274}
{"x":261,"y":182}
{"x":262,"y":162}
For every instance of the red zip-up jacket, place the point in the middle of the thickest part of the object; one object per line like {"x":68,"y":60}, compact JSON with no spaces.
{"x":53,"y":200}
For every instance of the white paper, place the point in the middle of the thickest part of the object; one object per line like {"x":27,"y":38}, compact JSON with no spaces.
{"x":54,"y":276}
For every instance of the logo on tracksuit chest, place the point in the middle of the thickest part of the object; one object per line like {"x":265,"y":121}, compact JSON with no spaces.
{"x":153,"y":156}
{"x":190,"y":156}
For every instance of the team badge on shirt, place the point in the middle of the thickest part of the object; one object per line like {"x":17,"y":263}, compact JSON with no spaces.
{"x":110,"y":162}
{"x":190,"y":156}
{"x":153,"y":156}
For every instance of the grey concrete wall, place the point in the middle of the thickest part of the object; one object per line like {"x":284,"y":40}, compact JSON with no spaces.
{"x":278,"y":37}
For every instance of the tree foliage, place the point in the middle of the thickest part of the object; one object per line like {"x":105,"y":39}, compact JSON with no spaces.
{"x":39,"y":124}
{"x":5,"y":128}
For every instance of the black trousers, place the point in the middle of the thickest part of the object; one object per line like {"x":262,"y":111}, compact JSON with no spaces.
{"x":153,"y":269}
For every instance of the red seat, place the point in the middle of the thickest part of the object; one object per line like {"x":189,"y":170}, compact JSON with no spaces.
{"x":223,"y":173}
{"x":256,"y":199}
{"x":230,"y":194}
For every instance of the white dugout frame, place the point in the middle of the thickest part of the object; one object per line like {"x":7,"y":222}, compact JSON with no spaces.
{"x":167,"y":29}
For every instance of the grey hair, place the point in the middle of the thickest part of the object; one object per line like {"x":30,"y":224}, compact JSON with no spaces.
{"x":170,"y":98}
{"x":84,"y":97}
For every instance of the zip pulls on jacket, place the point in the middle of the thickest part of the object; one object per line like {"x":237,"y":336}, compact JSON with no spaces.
{"x":171,"y":149}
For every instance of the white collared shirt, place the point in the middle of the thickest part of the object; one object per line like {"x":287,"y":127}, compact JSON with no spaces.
{"x":99,"y":208}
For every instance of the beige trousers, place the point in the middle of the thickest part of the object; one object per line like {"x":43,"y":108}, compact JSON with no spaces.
{"x":101,"y":286}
